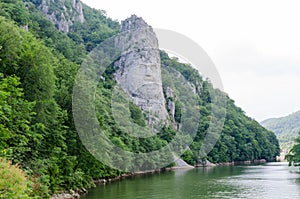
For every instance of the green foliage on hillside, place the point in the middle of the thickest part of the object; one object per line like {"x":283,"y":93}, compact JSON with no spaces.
{"x":37,"y":73}
{"x":294,"y":154}
{"x":96,"y":29}
{"x":28,"y":15}
{"x":285,"y":128}
{"x":242,"y":138}
{"x":34,"y":123}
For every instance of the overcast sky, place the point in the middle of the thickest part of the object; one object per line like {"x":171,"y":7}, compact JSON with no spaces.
{"x":255,"y":44}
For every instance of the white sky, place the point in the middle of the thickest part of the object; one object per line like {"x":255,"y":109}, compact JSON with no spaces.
{"x":255,"y":44}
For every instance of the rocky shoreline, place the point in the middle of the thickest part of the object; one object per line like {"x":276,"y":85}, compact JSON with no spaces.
{"x":76,"y":194}
{"x":209,"y":164}
{"x":70,"y":194}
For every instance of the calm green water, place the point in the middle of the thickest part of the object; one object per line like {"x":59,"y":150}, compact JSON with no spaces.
{"x":271,"y":180}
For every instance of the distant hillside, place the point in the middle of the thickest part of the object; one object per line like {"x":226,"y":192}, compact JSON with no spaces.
{"x":285,"y":128}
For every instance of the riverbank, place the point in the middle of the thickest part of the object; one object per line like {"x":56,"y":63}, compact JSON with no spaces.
{"x":70,"y":194}
{"x":209,"y":164}
{"x":256,"y":181}
{"x":76,"y":194}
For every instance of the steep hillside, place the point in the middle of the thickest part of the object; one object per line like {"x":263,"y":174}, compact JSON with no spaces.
{"x":285,"y":128}
{"x":39,"y":61}
{"x":242,"y":138}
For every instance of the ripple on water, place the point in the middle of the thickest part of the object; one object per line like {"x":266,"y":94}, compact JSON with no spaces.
{"x":272,"y":180}
{"x":268,"y":181}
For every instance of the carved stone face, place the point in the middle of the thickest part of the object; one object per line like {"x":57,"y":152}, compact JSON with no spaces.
{"x":139,"y":71}
{"x":149,"y":71}
{"x":143,"y":73}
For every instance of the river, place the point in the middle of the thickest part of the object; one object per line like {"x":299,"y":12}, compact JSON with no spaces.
{"x":270,"y":180}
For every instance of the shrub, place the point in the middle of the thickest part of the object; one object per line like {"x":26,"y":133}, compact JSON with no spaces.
{"x":13,"y":181}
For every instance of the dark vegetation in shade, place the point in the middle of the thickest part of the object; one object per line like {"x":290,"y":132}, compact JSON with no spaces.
{"x":37,"y":72}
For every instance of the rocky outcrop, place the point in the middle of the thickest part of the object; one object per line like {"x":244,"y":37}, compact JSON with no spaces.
{"x":69,"y":195}
{"x":170,"y":99}
{"x":205,"y":163}
{"x":180,"y":163}
{"x":66,"y":196}
{"x":138,"y":71}
{"x":69,"y":11}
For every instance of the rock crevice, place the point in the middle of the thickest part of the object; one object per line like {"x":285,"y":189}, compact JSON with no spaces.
{"x":63,"y":19}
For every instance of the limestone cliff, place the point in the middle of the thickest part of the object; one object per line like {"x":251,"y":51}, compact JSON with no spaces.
{"x":139,"y":68}
{"x":63,"y":13}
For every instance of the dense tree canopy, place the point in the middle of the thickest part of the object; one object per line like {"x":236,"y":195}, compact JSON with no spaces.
{"x":285,"y":128}
{"x":38,"y":66}
{"x":242,"y":138}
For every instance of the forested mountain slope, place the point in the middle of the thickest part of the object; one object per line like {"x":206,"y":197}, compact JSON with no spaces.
{"x":285,"y":128}
{"x":38,"y":65}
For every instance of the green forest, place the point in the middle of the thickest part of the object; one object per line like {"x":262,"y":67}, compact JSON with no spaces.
{"x":40,"y":150}
{"x":285,"y":128}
